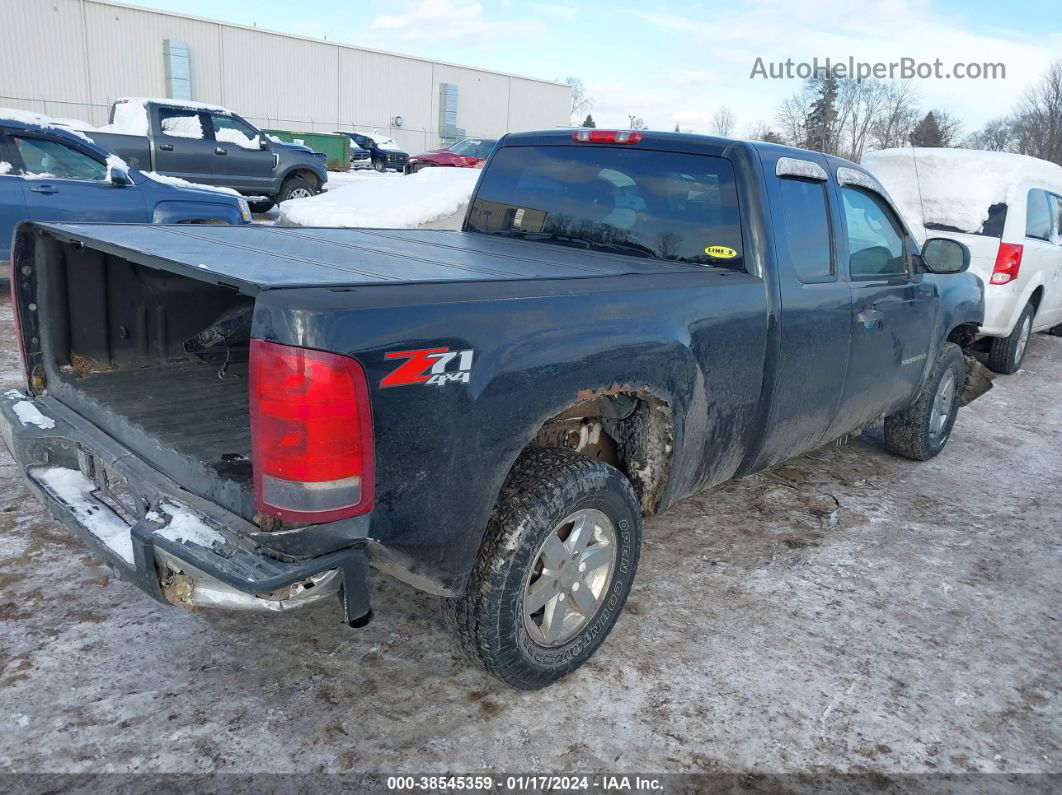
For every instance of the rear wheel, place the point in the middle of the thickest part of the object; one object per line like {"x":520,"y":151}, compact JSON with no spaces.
{"x":1007,"y":353}
{"x":922,"y":431}
{"x":556,"y":565}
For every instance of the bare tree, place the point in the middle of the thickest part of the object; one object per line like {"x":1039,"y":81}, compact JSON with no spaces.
{"x":792,"y":117}
{"x":723,"y":122}
{"x":1037,"y":122}
{"x":581,"y":103}
{"x":897,"y":118}
{"x":761,"y":131}
{"x":996,"y":136}
{"x":637,"y":122}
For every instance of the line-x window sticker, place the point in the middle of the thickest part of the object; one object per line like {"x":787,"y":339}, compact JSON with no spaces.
{"x":432,"y":366}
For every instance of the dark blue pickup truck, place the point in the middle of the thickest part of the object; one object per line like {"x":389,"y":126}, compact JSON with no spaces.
{"x":254,"y":417}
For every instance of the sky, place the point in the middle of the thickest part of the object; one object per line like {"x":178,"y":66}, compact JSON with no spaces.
{"x":679,"y":62}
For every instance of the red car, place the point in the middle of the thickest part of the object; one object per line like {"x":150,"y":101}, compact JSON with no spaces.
{"x":466,"y":153}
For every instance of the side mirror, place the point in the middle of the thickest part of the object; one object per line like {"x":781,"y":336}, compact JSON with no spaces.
{"x":263,"y":141}
{"x":119,"y":176}
{"x":944,"y":255}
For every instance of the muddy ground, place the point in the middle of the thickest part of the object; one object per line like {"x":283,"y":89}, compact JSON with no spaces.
{"x":916,"y":629}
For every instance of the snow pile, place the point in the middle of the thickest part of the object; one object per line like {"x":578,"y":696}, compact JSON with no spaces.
{"x":386,"y":203}
{"x":186,"y":526}
{"x":232,"y":136}
{"x":28,"y":414}
{"x":389,"y":144}
{"x":131,"y":116}
{"x":72,"y":126}
{"x":955,"y":187}
{"x":183,"y":183}
{"x":5,"y":167}
{"x":74,"y":489}
{"x":183,"y":127}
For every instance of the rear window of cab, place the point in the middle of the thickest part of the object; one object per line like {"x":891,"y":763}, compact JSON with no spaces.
{"x":667,"y":205}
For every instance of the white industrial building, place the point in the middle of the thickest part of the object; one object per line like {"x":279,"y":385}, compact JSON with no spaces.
{"x":71,"y":58}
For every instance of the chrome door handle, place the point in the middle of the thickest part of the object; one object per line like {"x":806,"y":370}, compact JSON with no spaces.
{"x":219,"y":151}
{"x":166,"y":147}
{"x":46,"y":189}
{"x":869,"y":317}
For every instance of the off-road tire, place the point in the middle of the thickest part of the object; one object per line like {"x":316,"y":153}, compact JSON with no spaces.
{"x":293,"y":184}
{"x":263,"y":206}
{"x":544,"y":487}
{"x":907,"y":433}
{"x":1003,"y":353}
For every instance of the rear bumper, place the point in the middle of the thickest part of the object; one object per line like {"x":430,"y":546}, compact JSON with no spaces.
{"x":177,"y":547}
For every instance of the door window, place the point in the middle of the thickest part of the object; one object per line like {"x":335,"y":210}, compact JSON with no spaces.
{"x":807,"y":229}
{"x":1038,"y":216}
{"x":178,"y":123}
{"x":230,"y":130}
{"x":1056,"y":214}
{"x":875,"y":239}
{"x":44,"y":159}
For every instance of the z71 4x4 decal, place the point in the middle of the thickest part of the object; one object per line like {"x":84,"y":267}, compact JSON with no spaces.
{"x":434,"y":366}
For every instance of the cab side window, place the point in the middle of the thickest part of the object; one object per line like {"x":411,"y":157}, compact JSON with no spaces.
{"x":807,"y":229}
{"x":44,"y":159}
{"x":876,"y":242}
{"x":1038,"y":221}
{"x":228,"y":129}
{"x":180,"y":123}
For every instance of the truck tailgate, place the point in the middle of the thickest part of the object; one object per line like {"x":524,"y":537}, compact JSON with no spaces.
{"x":255,"y":258}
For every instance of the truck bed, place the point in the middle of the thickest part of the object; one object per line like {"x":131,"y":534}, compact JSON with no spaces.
{"x":255,"y":258}
{"x":183,"y":406}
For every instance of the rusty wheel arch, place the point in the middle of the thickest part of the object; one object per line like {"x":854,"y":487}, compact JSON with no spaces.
{"x":630,"y":428}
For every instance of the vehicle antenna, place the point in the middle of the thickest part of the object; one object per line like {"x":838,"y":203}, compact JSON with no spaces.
{"x":918,"y":182}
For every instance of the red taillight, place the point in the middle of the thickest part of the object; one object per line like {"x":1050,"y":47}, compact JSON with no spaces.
{"x":311,"y":434}
{"x":587,"y":136}
{"x":1008,"y":262}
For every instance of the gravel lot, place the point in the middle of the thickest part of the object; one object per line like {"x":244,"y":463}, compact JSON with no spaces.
{"x":915,"y":630}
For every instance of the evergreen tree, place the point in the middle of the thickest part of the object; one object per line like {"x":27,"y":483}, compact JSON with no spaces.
{"x":927,"y":132}
{"x":589,"y":121}
{"x":822,"y":115}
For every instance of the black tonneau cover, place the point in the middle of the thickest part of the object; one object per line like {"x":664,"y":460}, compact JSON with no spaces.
{"x":255,"y":258}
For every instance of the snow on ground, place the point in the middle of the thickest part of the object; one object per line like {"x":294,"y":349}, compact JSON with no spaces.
{"x":955,"y":187}
{"x":385,"y":201}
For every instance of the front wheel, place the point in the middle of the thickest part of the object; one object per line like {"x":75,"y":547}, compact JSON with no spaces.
{"x":379,"y":164}
{"x":263,"y":206}
{"x":554,"y":570}
{"x":922,"y":431}
{"x":1007,"y":353}
{"x":295,"y":188}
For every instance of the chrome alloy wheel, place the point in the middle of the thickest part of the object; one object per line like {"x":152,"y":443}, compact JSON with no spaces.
{"x":300,"y":193}
{"x":942,"y":406}
{"x":569,"y":578}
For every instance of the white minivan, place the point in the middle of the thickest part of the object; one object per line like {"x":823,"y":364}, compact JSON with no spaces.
{"x":1007,"y":209}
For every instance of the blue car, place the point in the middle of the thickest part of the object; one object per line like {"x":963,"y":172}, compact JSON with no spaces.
{"x":50,"y":173}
